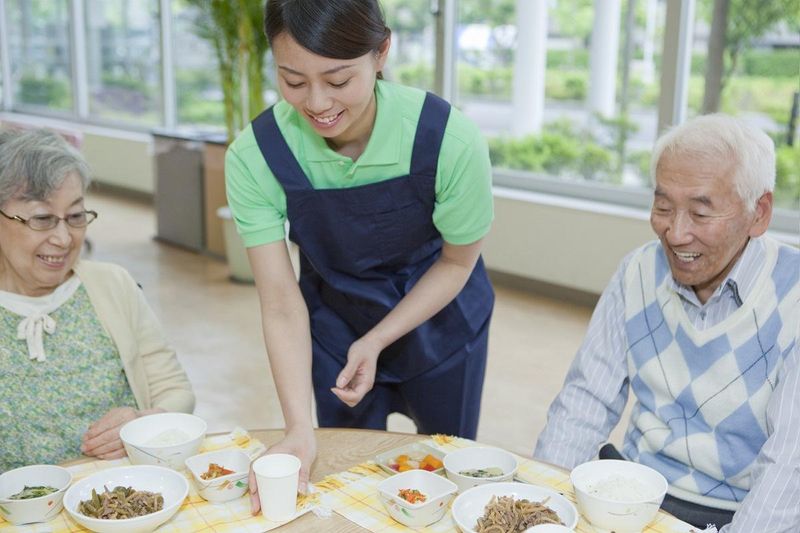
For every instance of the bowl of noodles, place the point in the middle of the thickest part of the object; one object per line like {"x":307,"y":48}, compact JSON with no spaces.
{"x":511,"y":507}
{"x":126,"y":499}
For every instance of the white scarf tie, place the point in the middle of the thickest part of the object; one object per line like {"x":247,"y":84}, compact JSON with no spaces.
{"x":30,"y":330}
{"x":35,"y":311}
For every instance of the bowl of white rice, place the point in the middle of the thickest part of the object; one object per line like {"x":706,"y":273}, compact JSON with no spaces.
{"x":163,"y":439}
{"x":619,"y":496}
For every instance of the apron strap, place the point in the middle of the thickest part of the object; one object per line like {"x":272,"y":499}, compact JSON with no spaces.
{"x":429,"y":135}
{"x":279,"y":157}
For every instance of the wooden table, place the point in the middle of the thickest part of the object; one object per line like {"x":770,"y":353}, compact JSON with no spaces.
{"x":337,"y":450}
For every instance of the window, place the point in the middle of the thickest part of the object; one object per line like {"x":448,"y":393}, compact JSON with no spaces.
{"x":758,"y":79}
{"x":198,"y":89}
{"x":412,"y":55}
{"x":40,"y":52}
{"x":526,"y":78}
{"x":123,"y":60}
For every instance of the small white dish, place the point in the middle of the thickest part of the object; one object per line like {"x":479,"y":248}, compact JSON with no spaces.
{"x":438,"y":491}
{"x":415,"y":451}
{"x":223,"y":488}
{"x":475,"y":458}
{"x":172,"y":485}
{"x":33,"y":510}
{"x":471,"y":504}
{"x":633,"y":508}
{"x":163,"y":439}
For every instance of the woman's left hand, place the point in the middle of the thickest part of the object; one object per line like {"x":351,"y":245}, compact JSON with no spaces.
{"x":102,"y":439}
{"x":358,"y":376}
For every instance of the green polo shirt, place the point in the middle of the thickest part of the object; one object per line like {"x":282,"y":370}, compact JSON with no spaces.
{"x":463,"y":210}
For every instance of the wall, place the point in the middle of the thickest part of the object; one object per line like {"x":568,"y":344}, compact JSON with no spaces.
{"x":561,"y":241}
{"x":125,"y":162}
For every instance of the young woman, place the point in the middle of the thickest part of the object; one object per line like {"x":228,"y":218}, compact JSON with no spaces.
{"x":387,"y":191}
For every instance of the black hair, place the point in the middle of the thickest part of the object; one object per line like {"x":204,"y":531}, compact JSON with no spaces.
{"x":338,"y":29}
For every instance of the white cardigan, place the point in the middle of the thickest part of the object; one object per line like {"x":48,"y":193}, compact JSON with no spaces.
{"x":151,"y":366}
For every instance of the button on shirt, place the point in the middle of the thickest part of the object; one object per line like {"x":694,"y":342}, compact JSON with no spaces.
{"x":596,"y":391}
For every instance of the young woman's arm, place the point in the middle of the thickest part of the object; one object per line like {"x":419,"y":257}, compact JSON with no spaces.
{"x":287,"y":336}
{"x":434,"y":290}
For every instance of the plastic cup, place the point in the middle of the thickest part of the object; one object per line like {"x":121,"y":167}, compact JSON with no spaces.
{"x":277,"y":477}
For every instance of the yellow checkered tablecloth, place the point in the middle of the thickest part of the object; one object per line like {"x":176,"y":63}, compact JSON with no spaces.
{"x":195,"y":514}
{"x":354,"y":495}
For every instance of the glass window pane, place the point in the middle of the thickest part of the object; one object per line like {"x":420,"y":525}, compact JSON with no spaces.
{"x":198,"y":88}
{"x":759,"y":66}
{"x":412,"y":56}
{"x":39,"y":49}
{"x":124,"y":60}
{"x":577,"y":134}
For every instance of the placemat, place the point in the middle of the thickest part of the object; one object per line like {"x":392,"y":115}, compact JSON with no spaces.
{"x":196,"y":514}
{"x":354,"y":494}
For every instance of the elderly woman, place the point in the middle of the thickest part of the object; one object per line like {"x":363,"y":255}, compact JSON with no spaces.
{"x":81,"y":352}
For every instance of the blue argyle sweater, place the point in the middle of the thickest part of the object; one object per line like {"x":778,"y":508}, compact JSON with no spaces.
{"x":701,"y":396}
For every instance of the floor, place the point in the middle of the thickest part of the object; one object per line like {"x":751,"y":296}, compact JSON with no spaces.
{"x":214,"y":325}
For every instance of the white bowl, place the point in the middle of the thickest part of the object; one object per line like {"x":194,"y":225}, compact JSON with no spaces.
{"x":439,"y":491}
{"x":478,"y":457}
{"x":223,"y":488}
{"x":416,"y":451}
{"x":165,"y":439}
{"x":470,"y":505}
{"x":171,"y":484}
{"x":641,"y":491}
{"x":39,"y":509}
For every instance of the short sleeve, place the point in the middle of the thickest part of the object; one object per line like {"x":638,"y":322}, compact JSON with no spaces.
{"x":256,"y":200}
{"x":464,"y":207}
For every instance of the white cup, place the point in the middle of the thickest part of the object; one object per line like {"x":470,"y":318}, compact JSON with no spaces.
{"x":276,"y":477}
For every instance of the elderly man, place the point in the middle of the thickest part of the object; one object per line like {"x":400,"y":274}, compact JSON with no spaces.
{"x":702,"y":325}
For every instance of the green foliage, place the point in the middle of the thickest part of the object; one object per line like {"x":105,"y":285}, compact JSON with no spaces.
{"x":234,"y":31}
{"x":48,"y":91}
{"x":491,"y":12}
{"x":783,"y":63}
{"x":559,"y":150}
{"x":573,"y":18}
{"x":413,"y":74}
{"x":577,"y":58}
{"x":495,"y":83}
{"x":566,"y":84}
{"x":787,"y":178}
{"x":125,"y":81}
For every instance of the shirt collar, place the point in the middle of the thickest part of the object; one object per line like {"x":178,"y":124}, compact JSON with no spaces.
{"x":384,"y":144}
{"x":740,"y":280}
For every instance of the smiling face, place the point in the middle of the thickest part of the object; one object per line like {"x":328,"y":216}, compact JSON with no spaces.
{"x":335,"y":96}
{"x":34,"y":263}
{"x":701,"y":220}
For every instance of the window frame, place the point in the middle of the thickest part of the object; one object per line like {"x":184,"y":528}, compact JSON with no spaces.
{"x":671,"y":105}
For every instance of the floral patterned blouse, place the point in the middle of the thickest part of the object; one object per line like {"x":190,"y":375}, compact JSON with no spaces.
{"x":46,"y":406}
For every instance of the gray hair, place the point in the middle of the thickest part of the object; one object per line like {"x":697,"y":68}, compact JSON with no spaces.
{"x":721,"y":138}
{"x":34,"y":163}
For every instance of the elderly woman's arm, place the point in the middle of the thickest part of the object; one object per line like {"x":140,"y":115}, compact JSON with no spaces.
{"x":154,"y":373}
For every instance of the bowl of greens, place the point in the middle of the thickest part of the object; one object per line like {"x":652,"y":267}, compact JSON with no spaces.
{"x":33,"y":493}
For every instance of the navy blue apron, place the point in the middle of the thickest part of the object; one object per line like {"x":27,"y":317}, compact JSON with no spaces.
{"x":361,"y":250}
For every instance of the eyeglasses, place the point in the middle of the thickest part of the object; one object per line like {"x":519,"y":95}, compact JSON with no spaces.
{"x":80,"y":219}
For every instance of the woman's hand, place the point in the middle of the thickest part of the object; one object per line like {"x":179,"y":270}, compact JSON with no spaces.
{"x":102,"y":439}
{"x":358,"y":376}
{"x":301,"y":444}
